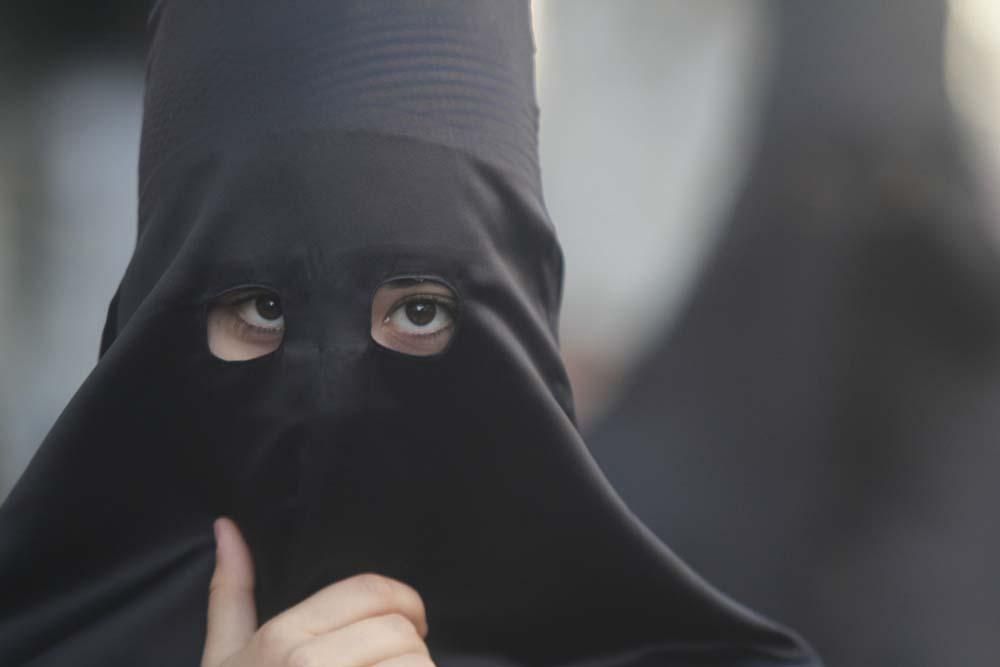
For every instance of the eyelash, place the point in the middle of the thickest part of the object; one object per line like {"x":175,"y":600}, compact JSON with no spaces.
{"x":245,"y":327}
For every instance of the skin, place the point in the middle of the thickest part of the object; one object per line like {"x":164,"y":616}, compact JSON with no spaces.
{"x":365,"y":621}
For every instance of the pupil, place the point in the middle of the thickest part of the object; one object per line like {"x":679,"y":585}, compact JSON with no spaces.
{"x":421,"y":313}
{"x":268,"y":307}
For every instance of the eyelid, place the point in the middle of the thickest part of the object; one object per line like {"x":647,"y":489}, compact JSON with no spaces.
{"x":228,"y":294}
{"x":236,"y":297}
{"x":238,"y":294}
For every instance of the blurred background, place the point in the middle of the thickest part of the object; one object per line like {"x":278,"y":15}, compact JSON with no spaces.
{"x":781,"y":222}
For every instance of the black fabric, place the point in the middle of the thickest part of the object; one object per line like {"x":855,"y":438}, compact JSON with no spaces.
{"x":817,"y":431}
{"x":462,"y":474}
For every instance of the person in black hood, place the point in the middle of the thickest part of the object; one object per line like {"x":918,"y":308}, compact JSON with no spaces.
{"x":339,"y":329}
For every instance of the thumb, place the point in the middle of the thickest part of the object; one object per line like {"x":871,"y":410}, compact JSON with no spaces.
{"x":232,"y":615}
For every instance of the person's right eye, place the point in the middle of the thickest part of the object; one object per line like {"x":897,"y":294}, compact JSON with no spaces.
{"x":245,"y":324}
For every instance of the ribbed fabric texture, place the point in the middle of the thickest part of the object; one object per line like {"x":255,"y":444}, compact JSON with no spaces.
{"x":459,"y":73}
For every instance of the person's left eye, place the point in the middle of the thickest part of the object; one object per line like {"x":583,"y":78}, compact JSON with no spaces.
{"x":414,"y":316}
{"x":421,"y":316}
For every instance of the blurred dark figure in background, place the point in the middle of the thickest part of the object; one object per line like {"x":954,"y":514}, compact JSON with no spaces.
{"x":39,"y":34}
{"x":818,"y":432}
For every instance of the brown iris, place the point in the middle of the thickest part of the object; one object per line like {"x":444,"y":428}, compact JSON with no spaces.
{"x":268,"y":306}
{"x":421,"y":313}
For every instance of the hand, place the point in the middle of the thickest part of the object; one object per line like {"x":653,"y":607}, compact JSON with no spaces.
{"x":362,"y":621}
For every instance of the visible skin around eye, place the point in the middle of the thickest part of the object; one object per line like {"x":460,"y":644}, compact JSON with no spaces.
{"x":411,"y":316}
{"x":414,"y":316}
{"x":245,"y":324}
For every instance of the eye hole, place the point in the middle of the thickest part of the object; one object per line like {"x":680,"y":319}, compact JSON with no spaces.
{"x":414,"y":316}
{"x":245,"y":324}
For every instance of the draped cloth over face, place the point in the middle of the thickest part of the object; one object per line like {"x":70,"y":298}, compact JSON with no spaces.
{"x":319,"y":148}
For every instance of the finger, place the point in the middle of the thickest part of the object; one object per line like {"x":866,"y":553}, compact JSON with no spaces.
{"x":407,"y":660}
{"x":361,"y":644}
{"x":232,"y":616}
{"x":354,"y":599}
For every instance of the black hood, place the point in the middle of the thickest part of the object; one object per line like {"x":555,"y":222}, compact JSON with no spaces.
{"x":319,"y":149}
